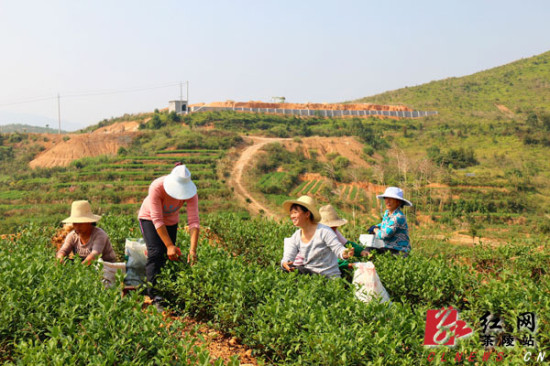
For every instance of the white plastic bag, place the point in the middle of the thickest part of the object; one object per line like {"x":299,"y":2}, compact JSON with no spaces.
{"x":136,"y":259}
{"x":369,"y":241}
{"x":367,"y":283}
{"x":110,"y":270}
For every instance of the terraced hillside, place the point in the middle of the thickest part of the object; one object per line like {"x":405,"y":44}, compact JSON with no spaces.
{"x":114,"y":184}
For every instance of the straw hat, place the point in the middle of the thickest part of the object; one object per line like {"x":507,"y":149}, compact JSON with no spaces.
{"x":178,"y":183}
{"x":306,"y":201}
{"x":329,"y":217}
{"x":81,"y":212}
{"x":394,"y":192}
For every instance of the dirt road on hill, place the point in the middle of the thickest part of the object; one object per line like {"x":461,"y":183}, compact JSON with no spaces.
{"x":347,"y":147}
{"x":237,"y":182}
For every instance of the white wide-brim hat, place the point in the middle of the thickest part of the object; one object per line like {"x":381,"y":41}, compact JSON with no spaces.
{"x":81,"y":212}
{"x":178,"y":183}
{"x":394,"y":192}
{"x":306,"y":201}
{"x":329,"y":217}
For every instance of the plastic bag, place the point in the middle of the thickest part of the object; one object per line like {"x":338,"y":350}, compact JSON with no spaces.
{"x":136,"y":258}
{"x":367,"y":283}
{"x":369,"y":241}
{"x":110,"y":270}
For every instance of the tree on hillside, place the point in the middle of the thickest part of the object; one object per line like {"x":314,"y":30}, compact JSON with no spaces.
{"x":155,"y":123}
{"x":174,"y":116}
{"x":403,"y":162}
{"x":6,"y":153}
{"x":532,"y":120}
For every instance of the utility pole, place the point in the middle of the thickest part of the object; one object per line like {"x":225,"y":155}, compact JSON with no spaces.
{"x":187,"y":94}
{"x":59,"y":112}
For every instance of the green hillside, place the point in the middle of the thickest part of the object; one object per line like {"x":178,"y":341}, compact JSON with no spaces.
{"x":522,"y":86}
{"x":501,"y":117}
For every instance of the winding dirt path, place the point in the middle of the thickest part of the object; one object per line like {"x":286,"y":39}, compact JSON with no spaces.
{"x":243,"y":195}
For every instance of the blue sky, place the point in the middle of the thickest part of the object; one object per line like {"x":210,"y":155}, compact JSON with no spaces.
{"x":106,"y":58}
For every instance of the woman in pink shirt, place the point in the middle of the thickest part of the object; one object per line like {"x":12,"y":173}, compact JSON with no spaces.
{"x":159,"y":217}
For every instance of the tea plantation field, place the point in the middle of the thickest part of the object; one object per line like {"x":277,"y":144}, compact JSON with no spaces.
{"x":54,"y":314}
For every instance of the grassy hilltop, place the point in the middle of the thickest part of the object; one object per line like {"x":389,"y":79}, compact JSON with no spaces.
{"x":521,"y":87}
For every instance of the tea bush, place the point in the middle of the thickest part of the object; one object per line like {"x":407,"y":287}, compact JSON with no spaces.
{"x":291,"y":319}
{"x":61,"y":315}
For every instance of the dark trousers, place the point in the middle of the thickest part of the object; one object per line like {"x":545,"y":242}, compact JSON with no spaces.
{"x":156,"y":252}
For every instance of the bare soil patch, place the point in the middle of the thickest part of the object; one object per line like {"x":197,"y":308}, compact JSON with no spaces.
{"x":347,"y":147}
{"x":505,"y":110}
{"x":219,"y":345}
{"x":459,"y":238}
{"x":64,"y":149}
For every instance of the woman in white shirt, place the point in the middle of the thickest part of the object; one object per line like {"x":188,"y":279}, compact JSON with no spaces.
{"x":317,"y":244}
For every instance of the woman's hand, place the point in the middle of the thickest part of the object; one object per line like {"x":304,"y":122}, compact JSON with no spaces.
{"x":348,"y":253}
{"x":365,"y":253}
{"x":90,"y":258}
{"x":173,"y":252}
{"x":289,"y":266}
{"x":192,"y":258}
{"x":371,"y":229}
{"x":60,"y":258}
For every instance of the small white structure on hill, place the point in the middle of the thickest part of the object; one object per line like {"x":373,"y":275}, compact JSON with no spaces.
{"x":178,"y":106}
{"x":278,"y":99}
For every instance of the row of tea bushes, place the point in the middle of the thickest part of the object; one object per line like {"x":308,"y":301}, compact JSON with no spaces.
{"x":53,"y":314}
{"x":309,"y":320}
{"x":293,"y":319}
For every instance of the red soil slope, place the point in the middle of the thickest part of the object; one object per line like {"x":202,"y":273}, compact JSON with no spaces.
{"x":103,"y":141}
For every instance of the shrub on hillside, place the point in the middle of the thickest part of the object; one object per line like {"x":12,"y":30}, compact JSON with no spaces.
{"x":455,"y":158}
{"x":6,"y":153}
{"x":341,"y":162}
{"x":368,"y":150}
{"x":16,"y":137}
{"x":278,"y":182}
{"x":275,"y":156}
